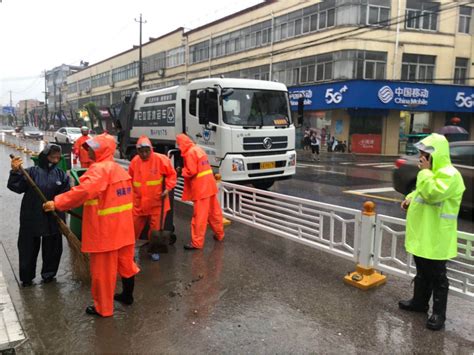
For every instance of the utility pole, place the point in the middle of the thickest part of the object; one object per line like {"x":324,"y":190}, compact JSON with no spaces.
{"x":140,"y":69}
{"x":45,"y":101}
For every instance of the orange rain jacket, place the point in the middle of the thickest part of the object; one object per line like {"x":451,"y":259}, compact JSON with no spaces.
{"x":199,"y":182}
{"x":80,"y":152}
{"x":147,"y":180}
{"x":106,"y":192}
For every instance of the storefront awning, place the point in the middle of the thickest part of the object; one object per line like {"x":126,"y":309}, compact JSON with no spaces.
{"x":379,"y":94}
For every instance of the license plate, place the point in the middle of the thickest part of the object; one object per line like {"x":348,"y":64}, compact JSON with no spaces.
{"x":267,"y":165}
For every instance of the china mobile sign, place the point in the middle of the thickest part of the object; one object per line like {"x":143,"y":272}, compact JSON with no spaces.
{"x":375,"y":94}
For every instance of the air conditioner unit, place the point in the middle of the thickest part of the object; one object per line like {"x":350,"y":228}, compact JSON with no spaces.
{"x":80,"y":93}
{"x":161,"y":72}
{"x":88,"y":91}
{"x":112,"y":85}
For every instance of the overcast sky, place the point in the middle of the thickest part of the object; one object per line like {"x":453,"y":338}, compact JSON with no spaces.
{"x":41,"y":34}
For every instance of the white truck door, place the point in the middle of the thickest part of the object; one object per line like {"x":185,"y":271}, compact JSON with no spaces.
{"x":205,"y":137}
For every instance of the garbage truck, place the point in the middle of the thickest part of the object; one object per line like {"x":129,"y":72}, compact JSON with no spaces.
{"x":244,"y":125}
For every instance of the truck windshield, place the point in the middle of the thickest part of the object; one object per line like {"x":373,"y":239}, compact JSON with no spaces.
{"x":247,"y":107}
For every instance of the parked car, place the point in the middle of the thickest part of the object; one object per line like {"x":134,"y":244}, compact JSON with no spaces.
{"x":462,"y":156}
{"x":32,"y":132}
{"x":67,"y":134}
{"x":7,"y":129}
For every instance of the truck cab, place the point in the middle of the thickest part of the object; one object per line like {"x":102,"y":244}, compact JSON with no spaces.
{"x":245,"y":128}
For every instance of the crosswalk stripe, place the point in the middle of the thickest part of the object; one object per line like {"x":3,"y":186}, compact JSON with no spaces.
{"x":383,"y":166}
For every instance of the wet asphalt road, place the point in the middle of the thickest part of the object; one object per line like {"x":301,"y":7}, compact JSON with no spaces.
{"x":255,"y":293}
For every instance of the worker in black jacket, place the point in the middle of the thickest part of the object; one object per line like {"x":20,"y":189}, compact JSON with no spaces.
{"x":38,"y":228}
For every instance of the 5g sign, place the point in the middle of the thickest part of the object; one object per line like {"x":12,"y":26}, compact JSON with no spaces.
{"x":335,"y":97}
{"x":464,"y":101}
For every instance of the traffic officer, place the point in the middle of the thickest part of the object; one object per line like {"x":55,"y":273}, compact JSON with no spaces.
{"x":38,"y":229}
{"x":153,"y":177}
{"x":201,"y":188}
{"x":431,"y":227}
{"x":78,"y":149}
{"x":105,"y":190}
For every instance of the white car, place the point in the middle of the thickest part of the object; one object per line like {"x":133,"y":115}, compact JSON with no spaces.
{"x":67,"y":135}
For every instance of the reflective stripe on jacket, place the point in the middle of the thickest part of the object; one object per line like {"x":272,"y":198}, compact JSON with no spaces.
{"x":199,"y":180}
{"x":105,"y":190}
{"x":431,"y":228}
{"x":147,"y":180}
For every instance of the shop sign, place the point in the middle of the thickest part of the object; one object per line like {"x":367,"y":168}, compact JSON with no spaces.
{"x":366,"y":143}
{"x":380,"y":94}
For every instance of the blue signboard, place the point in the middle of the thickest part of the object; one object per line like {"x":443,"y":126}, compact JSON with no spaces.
{"x":8,"y":110}
{"x":389,"y":95}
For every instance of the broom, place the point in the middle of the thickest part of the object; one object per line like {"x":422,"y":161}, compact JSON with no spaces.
{"x":80,"y":261}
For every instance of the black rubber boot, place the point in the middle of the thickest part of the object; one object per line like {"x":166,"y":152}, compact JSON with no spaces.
{"x":421,"y":297}
{"x":126,"y":297}
{"x":440,"y":301}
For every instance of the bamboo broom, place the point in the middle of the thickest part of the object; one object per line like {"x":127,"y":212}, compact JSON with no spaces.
{"x":80,"y":261}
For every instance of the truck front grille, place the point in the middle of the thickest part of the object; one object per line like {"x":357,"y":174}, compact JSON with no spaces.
{"x":265,"y":143}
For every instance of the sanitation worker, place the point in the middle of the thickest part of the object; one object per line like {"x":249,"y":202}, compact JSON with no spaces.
{"x":431,"y":227}
{"x":201,"y":188}
{"x":153,"y":177}
{"x":105,"y":190}
{"x":39,"y":229}
{"x":78,"y":149}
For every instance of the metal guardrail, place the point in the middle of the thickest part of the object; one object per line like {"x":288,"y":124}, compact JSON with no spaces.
{"x":390,"y":235}
{"x":331,"y":228}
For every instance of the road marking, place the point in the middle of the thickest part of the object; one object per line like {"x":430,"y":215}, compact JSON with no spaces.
{"x":309,"y":165}
{"x":377,"y":189}
{"x":367,"y":164}
{"x":347,"y":163}
{"x":370,"y":192}
{"x":384,"y":165}
{"x":373,"y":196}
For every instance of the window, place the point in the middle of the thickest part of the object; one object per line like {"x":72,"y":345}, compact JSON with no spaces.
{"x":192,"y":102}
{"x":175,"y":57}
{"x":418,"y":67}
{"x":199,"y":52}
{"x":464,"y":19}
{"x":101,"y":79}
{"x":377,"y":15}
{"x":422,"y":15}
{"x":460,"y":70}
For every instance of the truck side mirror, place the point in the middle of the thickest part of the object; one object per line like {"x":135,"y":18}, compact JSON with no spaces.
{"x":202,"y":109}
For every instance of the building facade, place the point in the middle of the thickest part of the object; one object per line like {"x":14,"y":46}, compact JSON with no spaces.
{"x":376,"y":70}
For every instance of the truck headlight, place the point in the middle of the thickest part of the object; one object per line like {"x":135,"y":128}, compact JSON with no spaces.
{"x":292,"y":160}
{"x":238,"y":165}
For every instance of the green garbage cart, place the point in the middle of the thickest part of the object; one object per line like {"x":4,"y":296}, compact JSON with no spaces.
{"x":76,"y":223}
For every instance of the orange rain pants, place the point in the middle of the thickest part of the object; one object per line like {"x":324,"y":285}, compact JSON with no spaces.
{"x":104,"y":269}
{"x":140,"y":221}
{"x":206,"y":210}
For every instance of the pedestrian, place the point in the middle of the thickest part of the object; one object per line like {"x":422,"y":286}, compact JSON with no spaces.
{"x":201,"y":188}
{"x":306,"y":138}
{"x":330,"y":143}
{"x":431,"y":227}
{"x":315,"y":143}
{"x":79,"y":150}
{"x":38,"y":229}
{"x":153,"y":176}
{"x":105,"y":190}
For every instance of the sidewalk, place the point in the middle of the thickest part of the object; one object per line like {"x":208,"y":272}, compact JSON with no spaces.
{"x":11,"y":332}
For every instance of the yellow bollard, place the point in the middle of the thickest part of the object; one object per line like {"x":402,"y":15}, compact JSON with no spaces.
{"x":365,"y":276}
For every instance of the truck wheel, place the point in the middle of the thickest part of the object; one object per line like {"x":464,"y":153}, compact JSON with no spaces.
{"x":263,"y":184}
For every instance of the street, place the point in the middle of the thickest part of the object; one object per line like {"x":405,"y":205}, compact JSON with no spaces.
{"x":254,"y":293}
